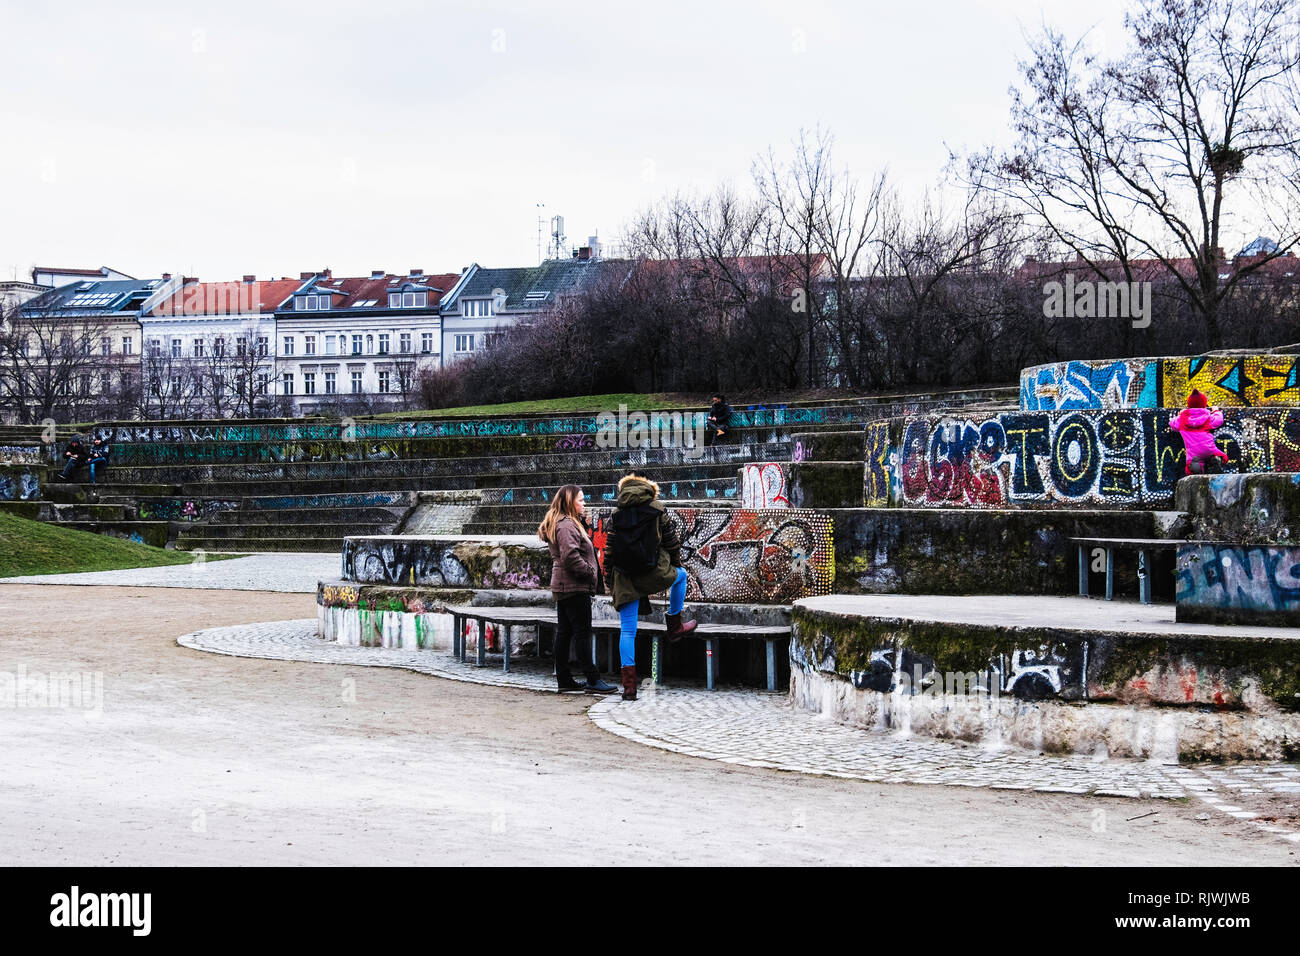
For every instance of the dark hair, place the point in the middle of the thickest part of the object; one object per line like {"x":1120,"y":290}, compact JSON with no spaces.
{"x":720,"y":397}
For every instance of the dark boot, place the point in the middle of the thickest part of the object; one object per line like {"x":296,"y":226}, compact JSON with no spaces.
{"x":568,"y":685}
{"x":676,"y":629}
{"x":597,"y":686}
{"x":629,"y":683}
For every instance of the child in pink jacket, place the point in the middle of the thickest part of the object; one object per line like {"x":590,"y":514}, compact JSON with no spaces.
{"x":1196,"y":424}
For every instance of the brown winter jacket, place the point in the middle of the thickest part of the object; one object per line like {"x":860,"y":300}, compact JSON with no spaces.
{"x":638,"y":491}
{"x":573,"y":560}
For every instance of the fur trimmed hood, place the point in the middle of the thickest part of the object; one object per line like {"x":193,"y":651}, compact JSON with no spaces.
{"x":633,"y":490}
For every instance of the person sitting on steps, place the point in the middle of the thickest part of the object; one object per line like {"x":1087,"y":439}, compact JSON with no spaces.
{"x":77,"y":455}
{"x":642,"y":557}
{"x":719,"y":420}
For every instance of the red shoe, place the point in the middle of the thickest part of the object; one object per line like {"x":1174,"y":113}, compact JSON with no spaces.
{"x":676,"y":629}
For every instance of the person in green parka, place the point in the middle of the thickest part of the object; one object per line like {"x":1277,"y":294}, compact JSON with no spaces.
{"x":643,"y":557}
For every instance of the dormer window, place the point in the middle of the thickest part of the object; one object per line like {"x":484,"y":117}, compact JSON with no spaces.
{"x":476,"y":307}
{"x":308,"y":303}
{"x":408,"y":300}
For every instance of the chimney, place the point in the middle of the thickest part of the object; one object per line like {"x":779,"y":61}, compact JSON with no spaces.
{"x":376,"y":273}
{"x":186,"y":280}
{"x":249,"y":280}
{"x":416,"y":272}
{"x":167,"y":276}
{"x":304,"y":276}
{"x":584,"y":252}
{"x":328,"y":273}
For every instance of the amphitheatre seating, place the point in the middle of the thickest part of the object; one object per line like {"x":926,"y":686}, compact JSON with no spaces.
{"x":271,"y":484}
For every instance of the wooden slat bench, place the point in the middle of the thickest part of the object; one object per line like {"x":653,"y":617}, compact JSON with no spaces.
{"x":544,"y":618}
{"x":1143,"y":546}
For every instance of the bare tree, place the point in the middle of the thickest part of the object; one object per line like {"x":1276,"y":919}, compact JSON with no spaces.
{"x":1157,"y":153}
{"x":49,"y":363}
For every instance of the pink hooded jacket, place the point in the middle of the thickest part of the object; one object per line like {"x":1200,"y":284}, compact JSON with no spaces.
{"x":1197,"y":426}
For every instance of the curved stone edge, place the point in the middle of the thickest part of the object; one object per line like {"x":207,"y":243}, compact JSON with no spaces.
{"x":194,"y":641}
{"x":1192,"y":697}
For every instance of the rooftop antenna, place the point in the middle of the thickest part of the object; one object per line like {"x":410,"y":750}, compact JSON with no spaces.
{"x":557,"y":234}
{"x":540,"y":221}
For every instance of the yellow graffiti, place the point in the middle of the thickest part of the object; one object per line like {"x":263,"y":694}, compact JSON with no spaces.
{"x":1256,"y":380}
{"x":339,"y":594}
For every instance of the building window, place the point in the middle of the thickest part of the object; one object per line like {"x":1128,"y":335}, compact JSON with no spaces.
{"x":476,"y":307}
{"x":176,"y":384}
{"x":263,"y":343}
{"x":329,"y":383}
{"x":308,"y":383}
{"x":383,"y":343}
{"x":300,"y":304}
{"x":394,"y":300}
{"x":198,"y":348}
{"x":465,"y":343}
{"x":426,"y":342}
{"x":421,"y":300}
{"x":155,"y":347}
{"x":85,"y":383}
{"x":370,"y":345}
{"x":404,"y":342}
{"x":219,"y":347}
{"x":329,"y":345}
{"x":356,"y":383}
{"x":241,"y":345}
{"x":176,"y":348}
{"x":288,"y":345}
{"x":383,"y":382}
{"x":288,"y":383}
{"x":309,"y":345}
{"x":263,"y":382}
{"x":106,"y":345}
{"x":356,"y":345}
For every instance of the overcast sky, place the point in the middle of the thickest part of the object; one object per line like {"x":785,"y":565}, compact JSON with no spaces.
{"x":219,"y":139}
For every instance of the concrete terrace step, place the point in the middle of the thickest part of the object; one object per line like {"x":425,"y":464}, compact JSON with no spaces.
{"x":145,"y":532}
{"x":287,"y":530}
{"x":250,"y":545}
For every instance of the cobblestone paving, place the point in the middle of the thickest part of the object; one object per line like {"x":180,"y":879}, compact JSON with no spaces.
{"x":291,"y":572}
{"x":758,"y":729}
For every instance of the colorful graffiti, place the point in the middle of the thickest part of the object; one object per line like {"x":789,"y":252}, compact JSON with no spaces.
{"x":878,"y":471}
{"x":764,"y":486}
{"x":19,"y":485}
{"x":1104,"y":458}
{"x":755,"y":557}
{"x":1258,"y":578}
{"x":734,"y":555}
{"x":1252,"y":381}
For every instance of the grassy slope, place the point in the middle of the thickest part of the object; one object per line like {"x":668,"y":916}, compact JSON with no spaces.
{"x":34,"y":547}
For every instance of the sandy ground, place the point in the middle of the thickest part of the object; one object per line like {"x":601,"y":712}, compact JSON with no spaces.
{"x":207,"y":759}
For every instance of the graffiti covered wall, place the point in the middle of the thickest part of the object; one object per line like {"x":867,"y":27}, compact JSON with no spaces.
{"x":1087,"y":458}
{"x":731,"y":556}
{"x":1227,"y":381}
{"x":763,"y":485}
{"x":1239,"y":584}
{"x":19,"y":483}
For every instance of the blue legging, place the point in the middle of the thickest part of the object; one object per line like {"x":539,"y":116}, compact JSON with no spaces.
{"x":627,"y":619}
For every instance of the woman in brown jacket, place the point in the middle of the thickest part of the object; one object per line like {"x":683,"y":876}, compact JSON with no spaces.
{"x":574,"y":576}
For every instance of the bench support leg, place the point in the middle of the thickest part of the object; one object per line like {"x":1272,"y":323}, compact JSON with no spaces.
{"x":1110,"y":574}
{"x":708,"y":661}
{"x":482,"y":644}
{"x":656,"y":659}
{"x":1083,"y":571}
{"x":612,"y":659}
{"x":1144,"y":576}
{"x":771,"y":663}
{"x":508,"y":630}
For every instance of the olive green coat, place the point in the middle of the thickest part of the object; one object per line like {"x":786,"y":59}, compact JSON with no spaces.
{"x":625,"y":588}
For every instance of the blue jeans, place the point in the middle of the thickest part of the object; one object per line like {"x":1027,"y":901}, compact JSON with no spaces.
{"x":627,"y":619}
{"x":93,"y":462}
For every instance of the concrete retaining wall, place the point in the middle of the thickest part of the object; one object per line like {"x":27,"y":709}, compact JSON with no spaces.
{"x":1088,"y":459}
{"x":1051,"y":688}
{"x":1227,"y":380}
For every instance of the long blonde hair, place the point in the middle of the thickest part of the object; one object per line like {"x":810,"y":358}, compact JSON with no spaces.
{"x":563,"y":505}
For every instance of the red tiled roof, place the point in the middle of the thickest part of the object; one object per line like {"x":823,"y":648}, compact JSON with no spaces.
{"x":349,"y":291}
{"x":227,"y":298}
